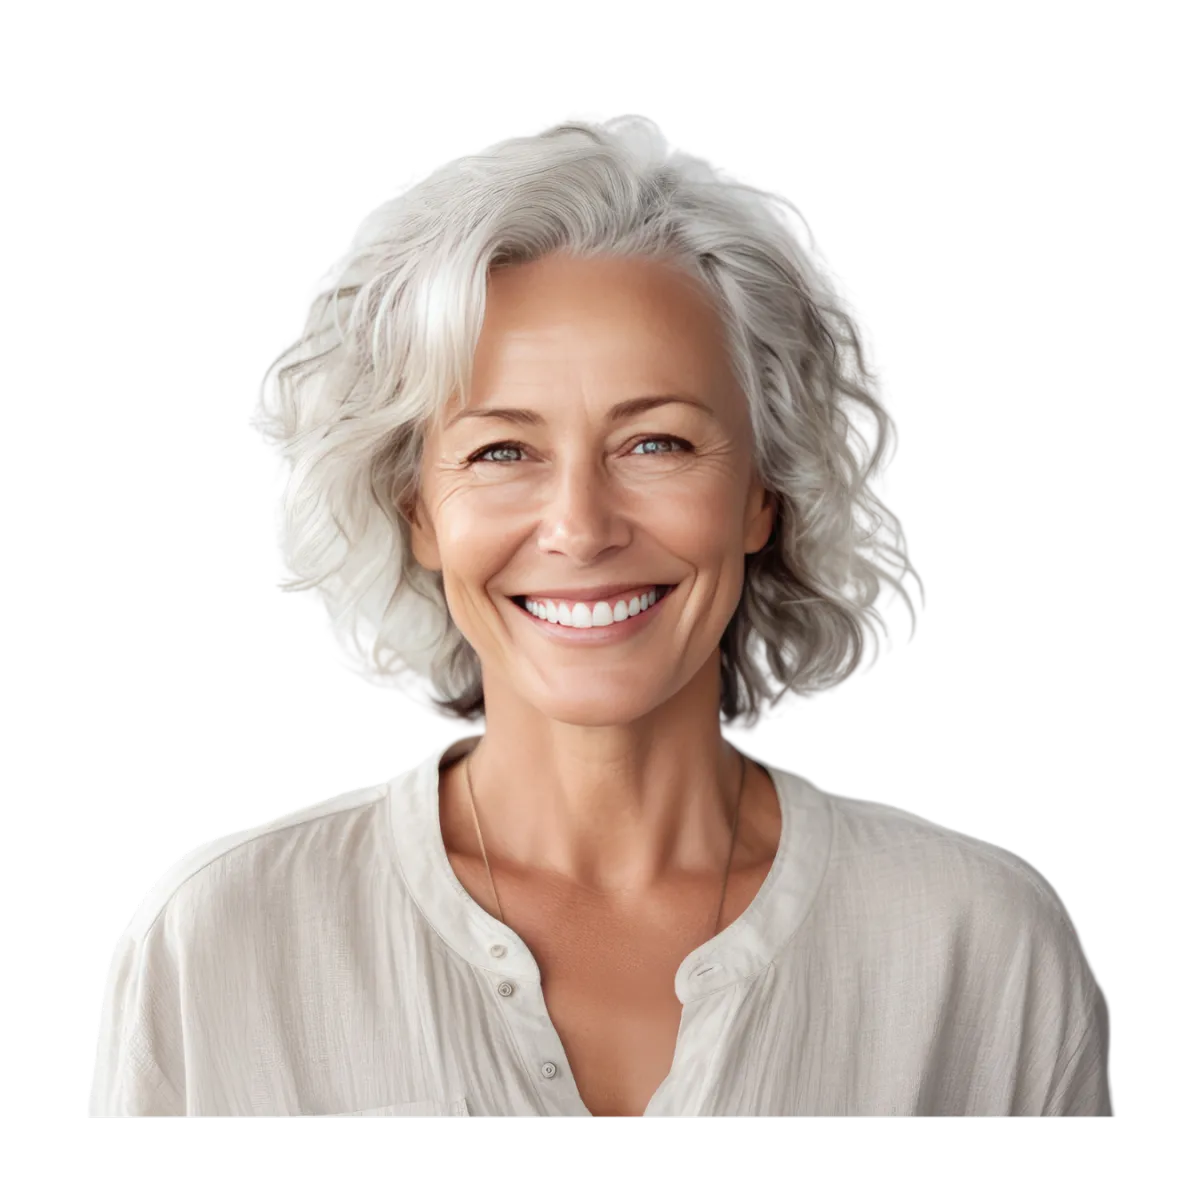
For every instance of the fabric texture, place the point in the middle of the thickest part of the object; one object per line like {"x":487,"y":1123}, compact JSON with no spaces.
{"x":331,"y":963}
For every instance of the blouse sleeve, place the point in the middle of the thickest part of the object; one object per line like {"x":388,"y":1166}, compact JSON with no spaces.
{"x":1057,"y":1009}
{"x":1081,"y":1080}
{"x":139,"y":1059}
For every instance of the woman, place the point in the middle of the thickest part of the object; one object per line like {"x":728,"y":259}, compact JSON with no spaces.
{"x":570,"y":438}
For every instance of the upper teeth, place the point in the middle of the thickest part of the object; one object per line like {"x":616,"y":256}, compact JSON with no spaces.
{"x":584,"y":616}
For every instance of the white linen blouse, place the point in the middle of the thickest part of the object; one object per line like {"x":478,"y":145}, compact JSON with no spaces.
{"x":331,"y":963}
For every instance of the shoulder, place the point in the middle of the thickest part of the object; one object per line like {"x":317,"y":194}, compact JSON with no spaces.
{"x":976,"y":915}
{"x":897,"y":883}
{"x":226,"y":870}
{"x":983,"y":931}
{"x":209,"y":918}
{"x":975,"y":934}
{"x":888,"y":855}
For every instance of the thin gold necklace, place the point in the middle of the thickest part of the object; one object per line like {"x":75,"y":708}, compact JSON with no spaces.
{"x":729,"y":862}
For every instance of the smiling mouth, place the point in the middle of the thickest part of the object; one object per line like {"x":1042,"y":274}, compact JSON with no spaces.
{"x":612,"y":621}
{"x":663,"y":589}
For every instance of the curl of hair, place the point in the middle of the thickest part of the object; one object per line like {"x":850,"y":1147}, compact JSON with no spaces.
{"x":390,"y":338}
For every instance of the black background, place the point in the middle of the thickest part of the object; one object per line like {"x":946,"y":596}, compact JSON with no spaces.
{"x":1048,"y":665}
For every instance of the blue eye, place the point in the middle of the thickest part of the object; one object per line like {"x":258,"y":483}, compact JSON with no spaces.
{"x":478,"y":456}
{"x":660,"y":440}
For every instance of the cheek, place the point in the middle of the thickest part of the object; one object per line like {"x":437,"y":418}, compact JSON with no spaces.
{"x":699,"y":529}
{"x":475,"y":542}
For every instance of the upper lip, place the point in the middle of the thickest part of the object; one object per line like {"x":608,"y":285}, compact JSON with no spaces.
{"x":593,"y":593}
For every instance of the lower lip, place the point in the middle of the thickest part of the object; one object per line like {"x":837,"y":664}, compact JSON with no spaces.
{"x":597,"y":635}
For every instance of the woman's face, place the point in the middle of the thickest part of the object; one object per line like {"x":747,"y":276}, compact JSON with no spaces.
{"x":571,"y":498}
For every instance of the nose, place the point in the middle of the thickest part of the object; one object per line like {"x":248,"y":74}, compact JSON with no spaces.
{"x":581,"y":517}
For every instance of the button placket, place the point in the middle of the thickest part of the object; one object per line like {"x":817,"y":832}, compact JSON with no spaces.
{"x":526,"y":1015}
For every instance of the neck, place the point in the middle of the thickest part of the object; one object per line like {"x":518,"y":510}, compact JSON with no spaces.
{"x":611,"y":810}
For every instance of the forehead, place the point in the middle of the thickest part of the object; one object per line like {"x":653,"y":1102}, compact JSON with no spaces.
{"x":605,"y":323}
{"x":590,"y":287}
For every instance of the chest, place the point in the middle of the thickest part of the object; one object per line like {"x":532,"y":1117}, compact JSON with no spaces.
{"x":608,"y":978}
{"x":608,"y":971}
{"x":611,"y":998}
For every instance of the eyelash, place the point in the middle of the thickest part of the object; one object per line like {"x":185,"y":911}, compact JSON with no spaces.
{"x":653,"y":437}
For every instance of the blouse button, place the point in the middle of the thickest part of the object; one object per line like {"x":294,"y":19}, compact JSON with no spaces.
{"x":497,"y":951}
{"x":505,"y":989}
{"x":549,"y":1070}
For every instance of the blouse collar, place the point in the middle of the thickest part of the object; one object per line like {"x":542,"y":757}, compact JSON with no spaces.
{"x":740,"y":950}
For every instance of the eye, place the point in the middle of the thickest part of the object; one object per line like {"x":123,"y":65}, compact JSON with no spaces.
{"x":481,"y":454}
{"x":661,"y":439}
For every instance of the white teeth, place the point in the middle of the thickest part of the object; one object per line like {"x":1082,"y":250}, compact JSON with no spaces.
{"x":581,"y":616}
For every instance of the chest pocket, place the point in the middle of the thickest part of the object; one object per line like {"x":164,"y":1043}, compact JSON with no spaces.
{"x":456,"y":1107}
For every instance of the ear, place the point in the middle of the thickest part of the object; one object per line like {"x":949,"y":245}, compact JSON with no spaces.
{"x":761,"y":515}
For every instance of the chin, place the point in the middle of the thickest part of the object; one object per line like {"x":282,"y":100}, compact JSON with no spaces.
{"x":597,"y":711}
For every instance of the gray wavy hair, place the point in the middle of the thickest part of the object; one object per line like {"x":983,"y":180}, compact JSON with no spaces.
{"x":390,"y":339}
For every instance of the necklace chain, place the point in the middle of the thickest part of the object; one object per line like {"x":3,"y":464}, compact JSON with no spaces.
{"x":728,"y":862}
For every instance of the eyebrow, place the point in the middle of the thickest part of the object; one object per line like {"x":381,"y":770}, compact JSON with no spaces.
{"x":618,"y":412}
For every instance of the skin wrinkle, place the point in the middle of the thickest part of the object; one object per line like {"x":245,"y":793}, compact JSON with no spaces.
{"x":625,"y":781}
